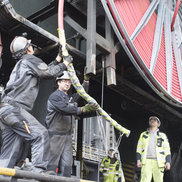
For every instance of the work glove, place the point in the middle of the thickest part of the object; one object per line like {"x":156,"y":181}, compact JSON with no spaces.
{"x":68,"y":58}
{"x":60,"y":52}
{"x":86,"y":76}
{"x":90,"y":107}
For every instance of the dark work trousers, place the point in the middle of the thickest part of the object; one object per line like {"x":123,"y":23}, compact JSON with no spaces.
{"x":14,"y":130}
{"x":61,"y":148}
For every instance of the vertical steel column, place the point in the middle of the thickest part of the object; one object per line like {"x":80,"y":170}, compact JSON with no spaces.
{"x":91,"y":42}
{"x":79,"y":151}
{"x":110,"y":59}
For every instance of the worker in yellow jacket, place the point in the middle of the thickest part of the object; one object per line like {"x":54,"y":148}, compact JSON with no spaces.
{"x":153,"y":152}
{"x":110,"y":168}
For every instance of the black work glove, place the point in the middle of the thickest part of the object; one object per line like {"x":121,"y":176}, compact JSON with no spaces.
{"x":117,"y":167}
{"x":119,"y":179}
{"x":68,"y":58}
{"x":101,"y":177}
{"x":60,"y":51}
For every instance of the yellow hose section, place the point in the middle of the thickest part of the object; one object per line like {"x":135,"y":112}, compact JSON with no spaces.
{"x":7,"y":171}
{"x":76,"y":83}
{"x":62,"y":41}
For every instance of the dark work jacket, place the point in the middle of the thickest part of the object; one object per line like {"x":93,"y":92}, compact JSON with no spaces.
{"x":61,"y":111}
{"x":23,"y":85}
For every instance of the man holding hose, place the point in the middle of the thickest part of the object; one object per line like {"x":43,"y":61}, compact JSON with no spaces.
{"x":61,"y":111}
{"x":17,"y":101}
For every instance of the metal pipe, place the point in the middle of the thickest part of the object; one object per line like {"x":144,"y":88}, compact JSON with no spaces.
{"x":34,"y":175}
{"x":102,"y":95}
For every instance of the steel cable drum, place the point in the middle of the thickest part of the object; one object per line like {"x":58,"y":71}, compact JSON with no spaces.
{"x":144,"y":30}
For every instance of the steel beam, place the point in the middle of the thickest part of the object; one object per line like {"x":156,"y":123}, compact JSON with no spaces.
{"x":20,"y":21}
{"x":145,"y":19}
{"x":102,"y":44}
{"x":110,"y":58}
{"x":91,"y":43}
{"x":177,"y":52}
{"x":157,"y":35}
{"x":168,"y":50}
{"x":44,"y":13}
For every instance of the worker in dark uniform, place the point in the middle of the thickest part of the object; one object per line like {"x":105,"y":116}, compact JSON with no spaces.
{"x":17,"y":100}
{"x":61,"y":111}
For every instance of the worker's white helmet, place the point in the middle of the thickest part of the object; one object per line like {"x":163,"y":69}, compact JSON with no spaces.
{"x":112,"y":152}
{"x":155,"y":118}
{"x":65,"y":76}
{"x":19,"y":44}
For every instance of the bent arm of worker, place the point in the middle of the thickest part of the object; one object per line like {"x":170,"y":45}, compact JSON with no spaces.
{"x":139,"y":148}
{"x":166,"y":148}
{"x":66,"y":108}
{"x":139,"y":151}
{"x":102,"y":165}
{"x":167,"y":151}
{"x":42,"y":70}
{"x":168,"y":159}
{"x":118,"y":169}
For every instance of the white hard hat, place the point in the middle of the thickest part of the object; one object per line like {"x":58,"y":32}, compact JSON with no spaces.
{"x":112,"y":151}
{"x":155,"y":118}
{"x":19,"y":43}
{"x":65,"y":76}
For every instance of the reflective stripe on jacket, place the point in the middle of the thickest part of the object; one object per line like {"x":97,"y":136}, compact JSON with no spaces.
{"x":162,"y":148}
{"x":111,"y":172}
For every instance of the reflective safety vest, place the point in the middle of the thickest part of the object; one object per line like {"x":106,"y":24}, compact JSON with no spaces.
{"x":162,"y":148}
{"x":111,"y":172}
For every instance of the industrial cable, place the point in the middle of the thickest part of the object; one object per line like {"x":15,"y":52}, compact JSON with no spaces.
{"x":80,"y":90}
{"x":75,"y":82}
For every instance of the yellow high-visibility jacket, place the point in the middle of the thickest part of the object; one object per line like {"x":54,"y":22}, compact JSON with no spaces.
{"x":162,"y":148}
{"x":111,"y":172}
